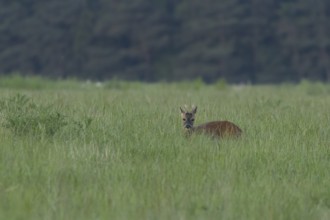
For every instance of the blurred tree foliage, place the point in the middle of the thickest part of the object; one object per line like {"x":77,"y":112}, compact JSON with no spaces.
{"x":238,"y":40}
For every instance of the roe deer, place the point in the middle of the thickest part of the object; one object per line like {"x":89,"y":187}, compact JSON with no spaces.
{"x":218,"y":129}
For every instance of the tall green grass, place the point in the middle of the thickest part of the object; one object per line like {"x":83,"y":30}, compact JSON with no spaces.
{"x":117,"y":152}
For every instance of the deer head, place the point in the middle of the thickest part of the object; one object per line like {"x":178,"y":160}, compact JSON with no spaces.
{"x":188,"y":117}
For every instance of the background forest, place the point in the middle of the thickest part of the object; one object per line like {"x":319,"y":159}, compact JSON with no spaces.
{"x":254,"y":41}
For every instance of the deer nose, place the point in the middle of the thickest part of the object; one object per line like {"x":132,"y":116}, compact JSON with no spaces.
{"x":188,"y":126}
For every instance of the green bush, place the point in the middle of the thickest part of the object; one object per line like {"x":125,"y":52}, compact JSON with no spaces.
{"x":221,"y":84}
{"x":23,"y":116}
{"x":118,"y":84}
{"x":314,"y":88}
{"x":17,"y":81}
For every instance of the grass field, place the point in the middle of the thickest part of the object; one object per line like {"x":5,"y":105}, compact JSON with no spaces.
{"x":74,"y":150}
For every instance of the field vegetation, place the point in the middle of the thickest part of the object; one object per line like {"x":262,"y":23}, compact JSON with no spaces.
{"x":115,"y":150}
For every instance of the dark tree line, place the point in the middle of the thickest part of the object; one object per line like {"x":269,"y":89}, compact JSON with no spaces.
{"x":239,"y":40}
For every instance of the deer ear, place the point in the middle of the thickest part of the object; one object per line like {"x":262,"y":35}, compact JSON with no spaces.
{"x":182,"y":110}
{"x":194,"y":110}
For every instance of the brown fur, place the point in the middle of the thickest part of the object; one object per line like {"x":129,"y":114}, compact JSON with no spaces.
{"x":219,"y":129}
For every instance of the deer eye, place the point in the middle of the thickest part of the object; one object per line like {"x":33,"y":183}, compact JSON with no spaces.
{"x":192,"y":119}
{"x":184,"y":119}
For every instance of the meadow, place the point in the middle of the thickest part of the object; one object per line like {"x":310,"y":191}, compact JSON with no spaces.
{"x":115,"y":150}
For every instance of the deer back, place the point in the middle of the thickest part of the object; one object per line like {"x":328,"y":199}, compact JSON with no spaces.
{"x":219,"y":129}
